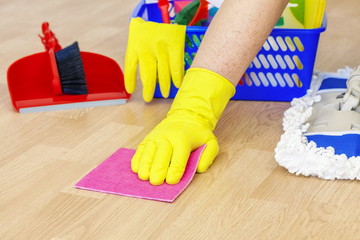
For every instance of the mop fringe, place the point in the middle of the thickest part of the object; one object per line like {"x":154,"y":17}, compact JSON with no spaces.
{"x":301,"y":157}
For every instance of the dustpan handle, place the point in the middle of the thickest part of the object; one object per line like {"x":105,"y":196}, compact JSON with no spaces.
{"x":52,"y":45}
{"x":49,"y":40}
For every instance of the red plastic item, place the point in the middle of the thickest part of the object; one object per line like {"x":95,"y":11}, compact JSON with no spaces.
{"x":51,"y":46}
{"x":164,"y":9}
{"x":201,"y":13}
{"x":31,"y":80}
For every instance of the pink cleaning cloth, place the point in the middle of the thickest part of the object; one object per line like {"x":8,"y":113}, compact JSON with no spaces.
{"x":114,"y":176}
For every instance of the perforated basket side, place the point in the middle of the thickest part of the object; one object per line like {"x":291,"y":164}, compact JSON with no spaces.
{"x":283,"y":67}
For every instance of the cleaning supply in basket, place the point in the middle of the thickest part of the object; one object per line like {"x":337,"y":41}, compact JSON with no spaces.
{"x":33,"y":86}
{"x":187,"y":13}
{"x":216,"y":3}
{"x":314,"y":13}
{"x":193,"y":14}
{"x":303,"y":14}
{"x":201,"y":13}
{"x":164,"y":9}
{"x":293,"y":15}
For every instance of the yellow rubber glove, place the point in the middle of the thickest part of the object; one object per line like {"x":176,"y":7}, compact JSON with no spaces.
{"x":158,"y":49}
{"x":198,"y":105}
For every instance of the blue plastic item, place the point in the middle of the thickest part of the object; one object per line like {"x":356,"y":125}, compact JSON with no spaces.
{"x":281,"y":70}
{"x":333,"y":83}
{"x":347,"y":143}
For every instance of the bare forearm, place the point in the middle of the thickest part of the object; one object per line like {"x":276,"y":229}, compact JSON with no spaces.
{"x":236,"y":34}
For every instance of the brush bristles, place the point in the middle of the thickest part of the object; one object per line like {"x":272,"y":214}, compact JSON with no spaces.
{"x":71,"y":70}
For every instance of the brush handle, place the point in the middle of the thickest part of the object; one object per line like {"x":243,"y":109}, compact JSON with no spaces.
{"x":164,"y":9}
{"x":51,"y":46}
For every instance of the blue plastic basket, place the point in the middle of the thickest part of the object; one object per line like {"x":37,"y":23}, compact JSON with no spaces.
{"x":281,"y":70}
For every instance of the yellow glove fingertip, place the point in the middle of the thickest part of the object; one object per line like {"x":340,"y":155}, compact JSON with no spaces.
{"x":165,"y":94}
{"x":164,"y":83}
{"x":177,"y":78}
{"x":174,"y":176}
{"x":146,"y":160}
{"x":161,"y":162}
{"x":136,"y":158}
{"x":143,"y":175}
{"x":129,"y":87}
{"x":207,"y":157}
{"x":172,"y":180}
{"x":148,"y":74}
{"x":178,"y":164}
{"x":156,"y":181}
{"x":134,"y":166}
{"x":147,"y":96}
{"x":130,"y":74}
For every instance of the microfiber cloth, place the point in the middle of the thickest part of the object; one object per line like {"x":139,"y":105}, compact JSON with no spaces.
{"x":114,"y":176}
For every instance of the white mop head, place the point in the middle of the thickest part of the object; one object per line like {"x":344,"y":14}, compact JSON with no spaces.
{"x":299,"y":156}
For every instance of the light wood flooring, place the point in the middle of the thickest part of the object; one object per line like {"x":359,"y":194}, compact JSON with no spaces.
{"x":244,"y":195}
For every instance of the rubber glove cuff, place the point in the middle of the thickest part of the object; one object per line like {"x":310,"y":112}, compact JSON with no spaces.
{"x":204,"y":93}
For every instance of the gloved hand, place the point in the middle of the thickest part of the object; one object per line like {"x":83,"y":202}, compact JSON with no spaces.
{"x":159,"y":51}
{"x":199,"y":103}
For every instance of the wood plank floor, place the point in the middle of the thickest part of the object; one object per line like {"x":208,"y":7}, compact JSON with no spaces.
{"x":244,"y":195}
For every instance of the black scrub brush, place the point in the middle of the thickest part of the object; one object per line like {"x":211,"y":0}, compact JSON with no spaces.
{"x":66,"y":65}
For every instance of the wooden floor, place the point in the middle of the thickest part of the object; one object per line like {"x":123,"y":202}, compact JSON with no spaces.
{"x":245,"y":194}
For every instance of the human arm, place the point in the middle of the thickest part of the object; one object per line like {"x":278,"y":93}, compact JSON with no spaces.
{"x":236,"y":34}
{"x":233,"y":39}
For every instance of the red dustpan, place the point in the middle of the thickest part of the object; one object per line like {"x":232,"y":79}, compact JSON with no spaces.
{"x":31,"y":87}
